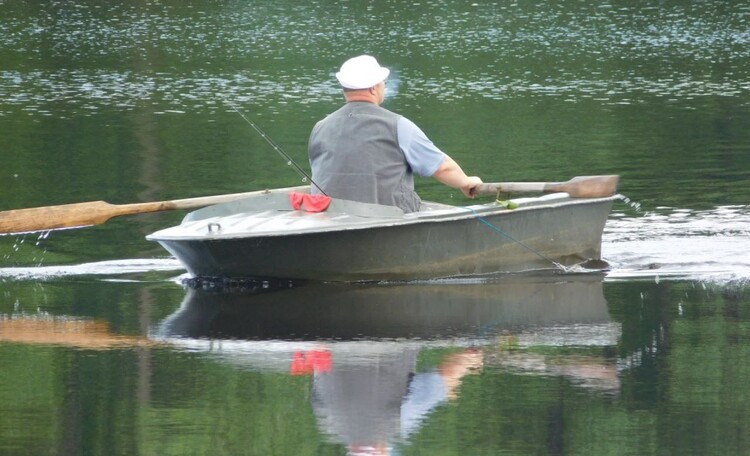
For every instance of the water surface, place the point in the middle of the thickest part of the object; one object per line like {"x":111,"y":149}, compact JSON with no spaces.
{"x":105,"y":351}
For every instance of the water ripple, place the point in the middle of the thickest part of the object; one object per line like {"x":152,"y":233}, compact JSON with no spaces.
{"x":110,"y":269}
{"x":120,"y":56}
{"x":708,"y":245}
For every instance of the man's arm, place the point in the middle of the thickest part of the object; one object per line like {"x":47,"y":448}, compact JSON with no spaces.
{"x":451,"y":174}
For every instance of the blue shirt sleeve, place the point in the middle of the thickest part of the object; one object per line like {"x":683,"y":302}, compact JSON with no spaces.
{"x":426,"y":391}
{"x":421,"y":154}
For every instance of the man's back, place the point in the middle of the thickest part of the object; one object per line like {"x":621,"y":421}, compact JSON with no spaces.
{"x":355,"y":155}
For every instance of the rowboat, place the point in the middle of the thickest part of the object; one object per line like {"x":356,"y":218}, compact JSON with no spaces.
{"x":267,"y":235}
{"x":283,"y":234}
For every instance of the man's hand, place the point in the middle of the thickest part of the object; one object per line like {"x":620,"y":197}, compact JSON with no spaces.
{"x":471,"y":186}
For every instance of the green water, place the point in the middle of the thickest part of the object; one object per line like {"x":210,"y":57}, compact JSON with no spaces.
{"x":127,"y":102}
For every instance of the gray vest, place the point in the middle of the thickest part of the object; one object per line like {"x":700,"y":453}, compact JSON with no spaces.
{"x":354,"y":155}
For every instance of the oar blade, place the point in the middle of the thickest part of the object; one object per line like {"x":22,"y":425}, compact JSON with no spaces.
{"x":590,"y":186}
{"x":55,"y":217}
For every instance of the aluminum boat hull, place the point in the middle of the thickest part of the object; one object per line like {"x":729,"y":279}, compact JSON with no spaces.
{"x":263,"y":237}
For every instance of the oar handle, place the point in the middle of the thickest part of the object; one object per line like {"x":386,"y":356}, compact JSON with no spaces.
{"x":510,"y":187}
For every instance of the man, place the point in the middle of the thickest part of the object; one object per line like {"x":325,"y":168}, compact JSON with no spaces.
{"x":363,"y":152}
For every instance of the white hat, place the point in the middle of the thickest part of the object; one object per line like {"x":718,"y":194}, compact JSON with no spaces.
{"x":361,"y":72}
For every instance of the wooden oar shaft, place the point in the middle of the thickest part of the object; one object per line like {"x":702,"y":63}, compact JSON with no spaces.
{"x":98,"y":212}
{"x":578,"y":187}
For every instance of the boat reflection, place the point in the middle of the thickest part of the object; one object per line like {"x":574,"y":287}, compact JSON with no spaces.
{"x":361,"y":343}
{"x":426,"y":310}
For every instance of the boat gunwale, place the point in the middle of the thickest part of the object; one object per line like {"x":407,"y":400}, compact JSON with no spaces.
{"x":447,"y":214}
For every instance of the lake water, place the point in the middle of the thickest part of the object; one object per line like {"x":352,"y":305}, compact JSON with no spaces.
{"x":105,"y":351}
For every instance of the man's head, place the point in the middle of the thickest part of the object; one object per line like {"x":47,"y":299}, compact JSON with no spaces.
{"x":363,"y":79}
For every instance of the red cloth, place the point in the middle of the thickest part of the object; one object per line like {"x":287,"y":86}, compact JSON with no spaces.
{"x":311,"y":203}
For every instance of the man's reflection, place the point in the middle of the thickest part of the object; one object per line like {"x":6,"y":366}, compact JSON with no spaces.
{"x":371,"y":402}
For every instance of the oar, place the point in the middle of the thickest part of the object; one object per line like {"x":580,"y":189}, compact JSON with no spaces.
{"x":98,"y":212}
{"x":578,"y":187}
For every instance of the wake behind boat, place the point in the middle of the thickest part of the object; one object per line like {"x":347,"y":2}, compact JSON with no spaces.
{"x":267,"y":235}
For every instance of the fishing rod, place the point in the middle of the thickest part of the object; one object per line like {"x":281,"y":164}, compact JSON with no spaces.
{"x":289,"y":160}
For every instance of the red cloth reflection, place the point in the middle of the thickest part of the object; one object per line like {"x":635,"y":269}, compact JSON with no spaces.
{"x":311,"y":361}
